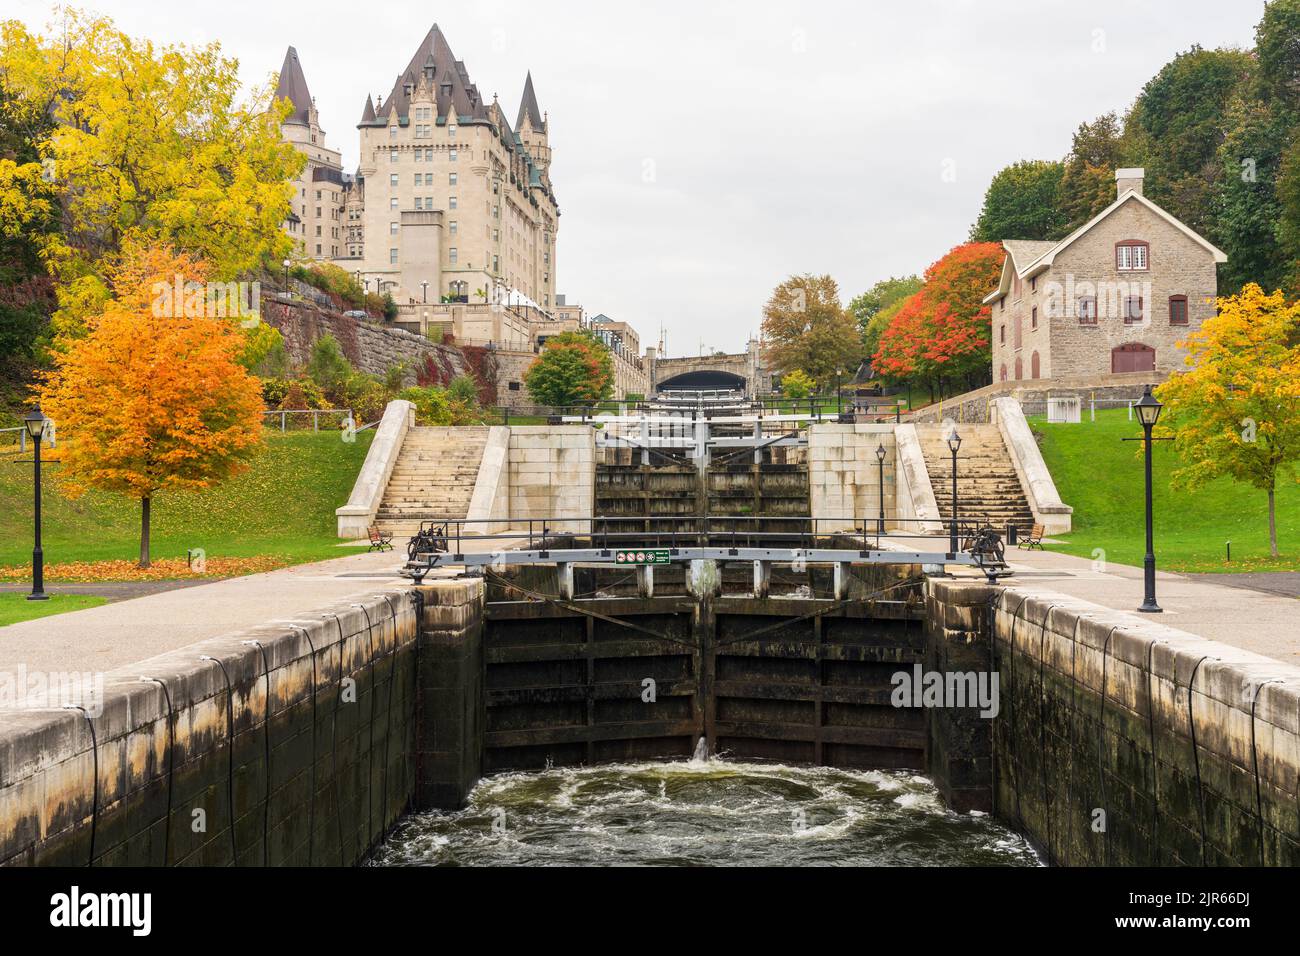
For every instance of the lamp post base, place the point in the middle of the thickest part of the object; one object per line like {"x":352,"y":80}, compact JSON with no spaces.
{"x":1151,"y":609}
{"x":38,"y":597}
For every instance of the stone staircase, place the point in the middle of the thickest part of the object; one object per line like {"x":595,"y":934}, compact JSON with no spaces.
{"x":988,"y":487}
{"x":433,"y":478}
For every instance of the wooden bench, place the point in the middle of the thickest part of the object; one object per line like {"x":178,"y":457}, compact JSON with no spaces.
{"x":1035,"y":539}
{"x":380,"y":540}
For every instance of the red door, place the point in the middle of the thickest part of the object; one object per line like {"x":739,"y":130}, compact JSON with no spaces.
{"x":1133,"y":358}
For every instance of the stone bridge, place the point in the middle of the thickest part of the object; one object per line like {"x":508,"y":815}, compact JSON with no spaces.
{"x":745,"y":371}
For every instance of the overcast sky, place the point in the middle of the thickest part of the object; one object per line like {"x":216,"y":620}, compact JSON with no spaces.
{"x":706,"y":150}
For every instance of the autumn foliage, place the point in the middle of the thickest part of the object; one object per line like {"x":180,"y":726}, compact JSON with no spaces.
{"x":942,"y":333}
{"x":1236,"y":410}
{"x":574,"y":369}
{"x":146,"y":403}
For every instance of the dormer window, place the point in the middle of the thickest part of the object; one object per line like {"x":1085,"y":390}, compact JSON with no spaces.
{"x":1132,"y":255}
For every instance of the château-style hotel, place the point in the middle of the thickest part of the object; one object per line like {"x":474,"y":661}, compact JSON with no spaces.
{"x":448,"y":199}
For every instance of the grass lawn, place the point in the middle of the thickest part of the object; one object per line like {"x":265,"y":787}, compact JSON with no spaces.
{"x":283,"y":507}
{"x":16,"y":607}
{"x":1100,"y":476}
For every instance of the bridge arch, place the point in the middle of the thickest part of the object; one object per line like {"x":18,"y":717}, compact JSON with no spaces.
{"x":703,"y":380}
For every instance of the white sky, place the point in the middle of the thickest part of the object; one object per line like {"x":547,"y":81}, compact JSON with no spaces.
{"x":706,"y":150}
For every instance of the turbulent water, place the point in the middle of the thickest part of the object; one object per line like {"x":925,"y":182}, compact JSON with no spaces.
{"x":704,"y":813}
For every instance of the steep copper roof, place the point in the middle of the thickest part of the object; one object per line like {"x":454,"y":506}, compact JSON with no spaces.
{"x":528,"y":107}
{"x":293,"y":87}
{"x":434,"y":62}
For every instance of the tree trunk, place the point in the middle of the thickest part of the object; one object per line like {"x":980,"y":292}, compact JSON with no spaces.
{"x":144,"y":532}
{"x":1272,"y":521}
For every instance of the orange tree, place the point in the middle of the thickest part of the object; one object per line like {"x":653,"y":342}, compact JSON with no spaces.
{"x":575,"y":369}
{"x":151,"y":400}
{"x":942,"y":334}
{"x":1236,"y":410}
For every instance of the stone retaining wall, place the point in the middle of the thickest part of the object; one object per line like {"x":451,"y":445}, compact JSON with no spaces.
{"x":288,"y":744}
{"x":1124,"y":742}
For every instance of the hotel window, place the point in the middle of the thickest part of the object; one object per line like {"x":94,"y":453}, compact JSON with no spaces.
{"x":451,"y":255}
{"x":392,"y":156}
{"x":428,"y":155}
{"x":496,"y":235}
{"x":1132,"y":309}
{"x":392,"y":256}
{"x":392,"y":132}
{"x":392,"y":228}
{"x":392,"y":180}
{"x":1178,"y":310}
{"x":392,"y":203}
{"x":451,"y":156}
{"x":451,"y":202}
{"x":451,"y":179}
{"x":1087,"y":310}
{"x":419,"y":155}
{"x":451,"y":131}
{"x":1132,"y":255}
{"x":452,"y":227}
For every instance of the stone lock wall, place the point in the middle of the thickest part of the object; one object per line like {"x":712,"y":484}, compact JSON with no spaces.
{"x":289,"y":744}
{"x":1124,"y":742}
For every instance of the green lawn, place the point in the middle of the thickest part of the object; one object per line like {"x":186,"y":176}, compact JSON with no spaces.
{"x":1100,"y":476}
{"x":16,"y":607}
{"x":283,"y":506}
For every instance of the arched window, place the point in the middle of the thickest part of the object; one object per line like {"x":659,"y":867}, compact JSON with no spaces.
{"x":1020,"y":370}
{"x":1034,"y":366}
{"x":1003,"y":376}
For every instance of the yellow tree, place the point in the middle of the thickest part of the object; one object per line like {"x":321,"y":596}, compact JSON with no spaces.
{"x":150,"y":399}
{"x":807,"y":328}
{"x":152,"y":145}
{"x":1236,"y":410}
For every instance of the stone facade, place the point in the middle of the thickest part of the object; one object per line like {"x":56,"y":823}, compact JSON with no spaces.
{"x":552,"y":475}
{"x":1120,"y":294}
{"x":317,"y":207}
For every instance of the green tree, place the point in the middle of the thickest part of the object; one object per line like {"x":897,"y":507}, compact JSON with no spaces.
{"x":1088,"y":181}
{"x":327,"y":366}
{"x":1177,"y":125}
{"x":575,"y":368}
{"x":797,"y":385}
{"x":887,"y":295}
{"x":1022,"y":203}
{"x":807,"y":328}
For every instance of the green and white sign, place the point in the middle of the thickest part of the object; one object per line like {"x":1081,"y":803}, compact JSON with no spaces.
{"x":640,"y":557}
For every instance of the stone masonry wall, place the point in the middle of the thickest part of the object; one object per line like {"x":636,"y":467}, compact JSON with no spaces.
{"x":552,"y":475}
{"x":287,"y":744}
{"x":844,"y":474}
{"x":1124,"y":742}
{"x":369,"y":346}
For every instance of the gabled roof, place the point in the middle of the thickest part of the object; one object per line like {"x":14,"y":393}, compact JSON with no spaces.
{"x":528,"y":107}
{"x":1029,"y":258}
{"x":293,"y":87}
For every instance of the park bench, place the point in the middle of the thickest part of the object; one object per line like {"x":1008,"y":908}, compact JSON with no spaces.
{"x":380,"y":540}
{"x":1035,"y":539}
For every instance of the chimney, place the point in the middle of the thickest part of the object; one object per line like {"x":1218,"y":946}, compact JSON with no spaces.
{"x":1130,"y":178}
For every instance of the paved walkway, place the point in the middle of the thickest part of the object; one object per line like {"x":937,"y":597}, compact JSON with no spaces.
{"x":114,"y":635}
{"x":1254,"y":612}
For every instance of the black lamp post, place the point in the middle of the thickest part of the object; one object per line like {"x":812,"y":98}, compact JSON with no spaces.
{"x":35,"y":424}
{"x":954,"y":445}
{"x":424,"y":289}
{"x":1148,"y":412}
{"x":286,"y":265}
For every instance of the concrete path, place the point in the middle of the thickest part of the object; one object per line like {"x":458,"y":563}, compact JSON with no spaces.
{"x":1240,"y":613}
{"x":103,"y":638}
